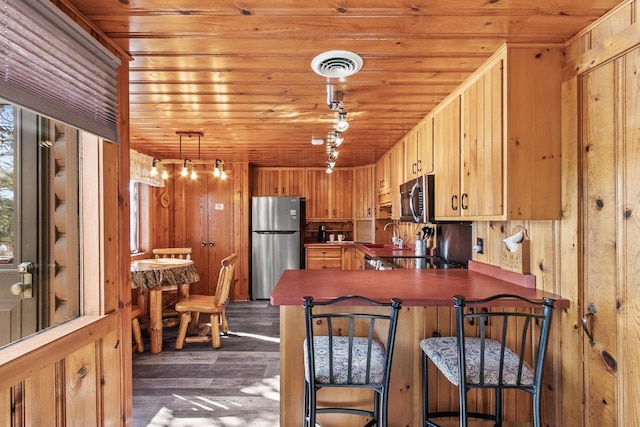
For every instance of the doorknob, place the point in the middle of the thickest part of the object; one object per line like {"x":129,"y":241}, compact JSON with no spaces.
{"x":24,"y":288}
{"x":585,"y":320}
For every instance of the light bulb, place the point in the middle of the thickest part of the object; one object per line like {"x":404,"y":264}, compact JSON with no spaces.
{"x":223,"y":174}
{"x":194,"y":174}
{"x":339,"y":140}
{"x":165,"y":174}
{"x":154,"y":169}
{"x":184,"y":171}
{"x":329,"y":170}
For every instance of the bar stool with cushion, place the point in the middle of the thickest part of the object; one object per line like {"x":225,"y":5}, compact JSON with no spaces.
{"x":342,"y":351}
{"x":491,"y":360}
{"x":214,"y":305}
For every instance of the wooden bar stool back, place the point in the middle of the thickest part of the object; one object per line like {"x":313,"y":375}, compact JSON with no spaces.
{"x":214,"y":305}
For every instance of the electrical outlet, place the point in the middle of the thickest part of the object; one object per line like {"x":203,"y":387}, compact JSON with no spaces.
{"x":479,"y":247}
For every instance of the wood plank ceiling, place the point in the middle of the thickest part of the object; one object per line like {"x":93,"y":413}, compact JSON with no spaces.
{"x":239,"y":70}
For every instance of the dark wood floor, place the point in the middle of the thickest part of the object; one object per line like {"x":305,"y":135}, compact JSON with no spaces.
{"x":235,"y":385}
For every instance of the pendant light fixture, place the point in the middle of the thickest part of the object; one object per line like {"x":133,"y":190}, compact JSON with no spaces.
{"x":185,"y":162}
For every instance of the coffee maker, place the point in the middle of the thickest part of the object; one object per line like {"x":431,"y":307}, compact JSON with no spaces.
{"x":322,"y":234}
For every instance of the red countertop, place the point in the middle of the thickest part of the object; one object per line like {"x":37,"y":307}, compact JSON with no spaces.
{"x":415,"y":287}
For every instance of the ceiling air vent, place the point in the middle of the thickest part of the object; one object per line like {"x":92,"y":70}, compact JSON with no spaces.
{"x":336,"y":63}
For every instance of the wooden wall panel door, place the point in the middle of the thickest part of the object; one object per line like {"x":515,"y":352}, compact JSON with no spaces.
{"x":208,"y":227}
{"x":611,"y":241}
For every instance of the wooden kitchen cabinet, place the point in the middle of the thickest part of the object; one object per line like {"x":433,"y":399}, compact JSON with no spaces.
{"x":397,"y":177}
{"x":498,"y":151}
{"x":383,"y":179}
{"x":363,"y":194}
{"x":418,"y":150}
{"x":324,"y":256}
{"x":279,"y":182}
{"x":329,"y":196}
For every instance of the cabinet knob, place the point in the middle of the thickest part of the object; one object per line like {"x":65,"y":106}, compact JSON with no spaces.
{"x":211,"y":244}
{"x":203,"y":244}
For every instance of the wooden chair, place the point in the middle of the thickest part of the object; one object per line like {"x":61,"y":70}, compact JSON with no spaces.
{"x":340,"y":351}
{"x":485,"y":361}
{"x":136,"y":312}
{"x":180,"y":253}
{"x":175,"y":292}
{"x":214,"y":305}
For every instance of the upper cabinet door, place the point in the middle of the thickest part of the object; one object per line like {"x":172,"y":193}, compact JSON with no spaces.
{"x":482,"y":145}
{"x":447,"y":149}
{"x":425,"y":147}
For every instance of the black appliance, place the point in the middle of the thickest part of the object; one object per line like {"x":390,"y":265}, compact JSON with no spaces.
{"x":416,"y":200}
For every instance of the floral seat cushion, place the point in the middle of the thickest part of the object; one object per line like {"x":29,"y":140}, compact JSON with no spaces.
{"x":444,"y":354}
{"x":341,"y":360}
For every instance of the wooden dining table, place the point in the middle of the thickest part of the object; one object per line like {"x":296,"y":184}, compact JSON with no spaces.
{"x":157,"y":275}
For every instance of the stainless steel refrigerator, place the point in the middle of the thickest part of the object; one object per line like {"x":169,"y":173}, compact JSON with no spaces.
{"x":276,"y":241}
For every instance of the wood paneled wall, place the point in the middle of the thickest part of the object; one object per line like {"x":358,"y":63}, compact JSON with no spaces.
{"x":79,"y":373}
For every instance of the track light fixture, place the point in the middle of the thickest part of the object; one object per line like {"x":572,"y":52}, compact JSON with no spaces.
{"x":341,"y":121}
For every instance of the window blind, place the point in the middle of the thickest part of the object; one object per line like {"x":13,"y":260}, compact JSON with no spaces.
{"x":50,"y":65}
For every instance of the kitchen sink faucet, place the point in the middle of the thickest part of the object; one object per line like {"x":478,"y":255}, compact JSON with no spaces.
{"x":396,"y":240}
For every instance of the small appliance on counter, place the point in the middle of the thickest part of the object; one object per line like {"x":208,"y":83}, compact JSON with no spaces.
{"x":322,"y":233}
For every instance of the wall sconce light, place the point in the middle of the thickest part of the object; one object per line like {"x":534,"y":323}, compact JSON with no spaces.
{"x":194,"y":174}
{"x":165,"y":174}
{"x":154,"y":168}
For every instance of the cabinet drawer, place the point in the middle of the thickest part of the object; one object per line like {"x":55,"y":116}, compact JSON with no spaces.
{"x":324,"y":252}
{"x":319,"y":263}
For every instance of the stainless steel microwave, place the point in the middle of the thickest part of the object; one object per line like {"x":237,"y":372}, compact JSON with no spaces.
{"x":416,"y":200}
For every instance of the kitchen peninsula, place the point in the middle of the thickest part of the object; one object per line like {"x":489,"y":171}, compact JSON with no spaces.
{"x":423,"y":292}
